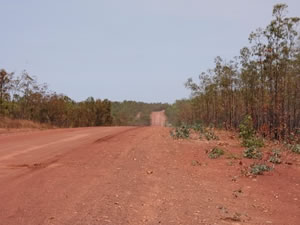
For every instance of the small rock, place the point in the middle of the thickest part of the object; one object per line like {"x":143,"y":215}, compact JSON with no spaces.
{"x":234,"y":179}
{"x":149,"y":172}
{"x":196,"y":163}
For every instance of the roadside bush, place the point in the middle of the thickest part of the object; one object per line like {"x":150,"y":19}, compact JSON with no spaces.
{"x":253,"y":153}
{"x":182,"y":132}
{"x":198,"y":127}
{"x":275,"y":157}
{"x":253,"y":142}
{"x":259,"y":169}
{"x":203,"y":131}
{"x":246,"y":128}
{"x":247,"y":133}
{"x":216,"y":153}
{"x":210,"y":135}
{"x":296,"y":148}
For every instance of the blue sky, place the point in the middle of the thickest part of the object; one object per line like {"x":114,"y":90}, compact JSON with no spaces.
{"x":135,"y":49}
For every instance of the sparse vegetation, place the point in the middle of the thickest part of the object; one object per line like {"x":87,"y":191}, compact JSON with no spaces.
{"x":275,"y":157}
{"x":246,"y":128}
{"x":232,"y":156}
{"x":198,"y":127}
{"x":8,"y":123}
{"x":253,"y":153}
{"x":216,"y":153}
{"x":182,"y":132}
{"x":253,"y":142}
{"x":259,"y":169}
{"x":247,"y":133}
{"x":296,"y":148}
{"x":132,"y":113}
{"x":210,"y":135}
{"x":262,"y":82}
{"x":23,"y":98}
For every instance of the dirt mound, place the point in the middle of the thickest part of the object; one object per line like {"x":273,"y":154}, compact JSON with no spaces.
{"x":158,"y":118}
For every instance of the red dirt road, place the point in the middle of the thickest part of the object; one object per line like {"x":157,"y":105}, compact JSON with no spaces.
{"x":135,"y":176}
{"x":158,"y":118}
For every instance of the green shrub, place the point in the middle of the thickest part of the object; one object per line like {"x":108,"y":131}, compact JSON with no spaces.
{"x":216,"y":153}
{"x":296,"y":148}
{"x":275,"y":160}
{"x":210,"y":135}
{"x":275,"y":157}
{"x":247,"y":133}
{"x":246,"y":128}
{"x":259,"y":169}
{"x":198,"y":127}
{"x":253,"y":142}
{"x":182,"y":132}
{"x":253,"y":153}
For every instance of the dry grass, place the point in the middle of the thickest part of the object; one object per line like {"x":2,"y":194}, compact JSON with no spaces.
{"x":8,"y":123}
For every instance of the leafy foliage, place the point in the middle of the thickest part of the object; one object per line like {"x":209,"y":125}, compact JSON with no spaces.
{"x":253,"y":142}
{"x":216,"y":153}
{"x":131,"y":113}
{"x":22,"y":97}
{"x":259,"y":169}
{"x":247,"y":133}
{"x":253,"y":153}
{"x":275,"y":157}
{"x":180,"y":112}
{"x":182,"y":132}
{"x":296,"y":148}
{"x":198,"y":127}
{"x":246,"y":128}
{"x":210,"y":135}
{"x":263,"y":82}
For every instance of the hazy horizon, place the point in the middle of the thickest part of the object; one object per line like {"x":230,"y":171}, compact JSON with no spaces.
{"x":126,"y":50}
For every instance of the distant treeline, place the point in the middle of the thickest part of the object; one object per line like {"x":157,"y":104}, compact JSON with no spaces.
{"x":263,"y":82}
{"x":22,"y":97}
{"x":134,"y":113}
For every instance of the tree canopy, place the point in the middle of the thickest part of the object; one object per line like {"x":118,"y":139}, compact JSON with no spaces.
{"x":263,"y":82}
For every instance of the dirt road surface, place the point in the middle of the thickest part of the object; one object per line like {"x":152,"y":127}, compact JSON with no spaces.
{"x":129,"y":175}
{"x":158,"y":118}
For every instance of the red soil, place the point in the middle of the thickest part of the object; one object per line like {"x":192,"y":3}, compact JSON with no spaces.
{"x":138,"y":176}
